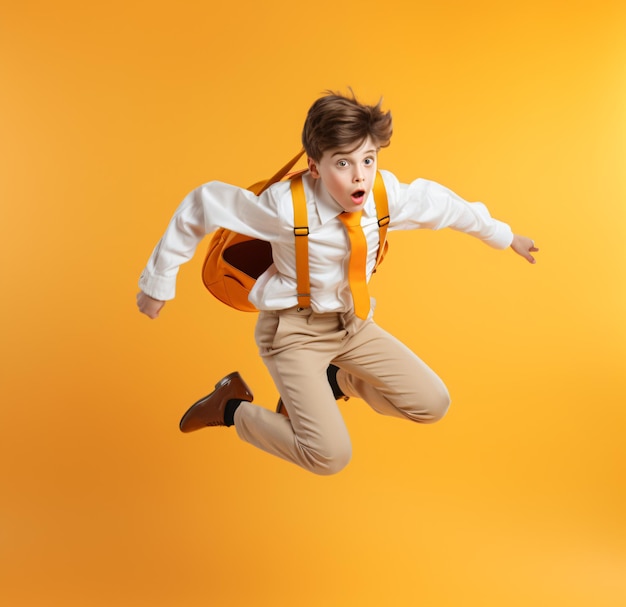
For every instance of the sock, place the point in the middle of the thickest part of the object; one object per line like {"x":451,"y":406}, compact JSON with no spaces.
{"x":229,"y":411}
{"x":331,"y":372}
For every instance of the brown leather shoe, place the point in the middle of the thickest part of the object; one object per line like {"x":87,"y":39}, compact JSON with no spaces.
{"x":209,"y":411}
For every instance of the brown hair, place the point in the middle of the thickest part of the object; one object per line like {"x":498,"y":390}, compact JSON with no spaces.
{"x":337,"y":121}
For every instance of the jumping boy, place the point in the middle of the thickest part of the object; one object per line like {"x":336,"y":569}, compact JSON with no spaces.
{"x":332,"y":349}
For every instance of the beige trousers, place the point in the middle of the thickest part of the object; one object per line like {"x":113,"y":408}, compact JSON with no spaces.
{"x":297,"y":347}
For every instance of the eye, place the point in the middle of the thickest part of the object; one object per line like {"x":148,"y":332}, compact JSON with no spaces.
{"x":368,"y":162}
{"x":342,"y":163}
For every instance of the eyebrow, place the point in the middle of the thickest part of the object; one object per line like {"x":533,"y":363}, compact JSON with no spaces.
{"x":344,"y":153}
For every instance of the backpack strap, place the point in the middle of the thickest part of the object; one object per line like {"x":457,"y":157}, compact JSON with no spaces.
{"x":301,"y":233}
{"x":261,"y":186}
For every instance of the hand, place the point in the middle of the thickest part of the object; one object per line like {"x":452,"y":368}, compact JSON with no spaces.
{"x":524,"y":246}
{"x":148,"y":305}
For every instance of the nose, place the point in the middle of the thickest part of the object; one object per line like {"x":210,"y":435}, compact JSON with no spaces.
{"x":358,"y":175}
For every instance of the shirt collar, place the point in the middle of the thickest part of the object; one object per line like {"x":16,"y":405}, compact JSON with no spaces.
{"x":326,"y":206}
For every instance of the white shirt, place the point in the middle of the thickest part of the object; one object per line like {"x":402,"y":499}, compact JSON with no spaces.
{"x":421,"y":204}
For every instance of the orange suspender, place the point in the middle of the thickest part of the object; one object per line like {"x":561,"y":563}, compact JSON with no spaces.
{"x":382,"y":214}
{"x":301,"y":233}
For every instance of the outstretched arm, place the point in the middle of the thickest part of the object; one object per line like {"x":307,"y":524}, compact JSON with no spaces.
{"x":524,"y":246}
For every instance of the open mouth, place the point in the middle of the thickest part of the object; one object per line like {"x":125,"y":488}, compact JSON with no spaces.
{"x":358,"y":197}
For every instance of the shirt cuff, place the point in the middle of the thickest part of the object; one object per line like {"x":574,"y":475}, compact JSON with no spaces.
{"x":157,"y":287}
{"x":502,"y":236}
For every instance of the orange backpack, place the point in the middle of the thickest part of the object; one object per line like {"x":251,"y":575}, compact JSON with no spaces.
{"x":234,"y":261}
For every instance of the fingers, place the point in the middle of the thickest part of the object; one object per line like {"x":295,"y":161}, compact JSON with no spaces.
{"x":152,"y":314}
{"x":526,"y":254}
{"x":524,"y":246}
{"x":152,"y":311}
{"x":531,"y":249}
{"x":148,"y":305}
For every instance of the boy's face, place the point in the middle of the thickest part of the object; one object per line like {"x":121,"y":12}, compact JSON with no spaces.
{"x":347,"y":175}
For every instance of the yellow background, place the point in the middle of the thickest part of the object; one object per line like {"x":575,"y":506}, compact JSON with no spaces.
{"x":111,"y":112}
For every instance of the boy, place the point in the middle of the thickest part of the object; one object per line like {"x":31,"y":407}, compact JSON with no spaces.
{"x":332,"y":349}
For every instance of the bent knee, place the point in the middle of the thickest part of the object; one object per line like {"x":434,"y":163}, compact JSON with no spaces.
{"x":431,"y":409}
{"x":439,"y":409}
{"x":328,"y":461}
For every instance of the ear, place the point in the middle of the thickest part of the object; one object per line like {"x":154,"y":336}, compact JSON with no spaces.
{"x":313,"y":168}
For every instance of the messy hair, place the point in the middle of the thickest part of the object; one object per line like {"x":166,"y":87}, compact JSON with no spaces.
{"x":338,"y":121}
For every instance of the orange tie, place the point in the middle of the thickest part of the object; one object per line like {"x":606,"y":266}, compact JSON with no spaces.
{"x":356,"y":267}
